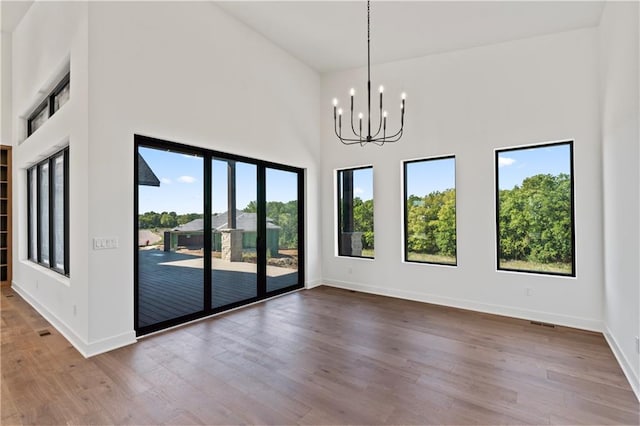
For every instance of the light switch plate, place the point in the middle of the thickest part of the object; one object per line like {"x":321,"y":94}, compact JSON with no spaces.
{"x":105,"y":243}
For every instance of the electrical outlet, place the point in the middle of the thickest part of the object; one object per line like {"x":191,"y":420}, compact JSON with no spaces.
{"x":528,"y":291}
{"x":638,"y":344}
{"x":37,"y":285}
{"x":350,"y":270}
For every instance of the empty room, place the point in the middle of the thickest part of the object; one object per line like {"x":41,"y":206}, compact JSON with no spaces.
{"x":320,"y":212}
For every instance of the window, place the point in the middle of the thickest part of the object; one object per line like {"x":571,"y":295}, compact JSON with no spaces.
{"x":535,"y":210}
{"x":355,"y":212}
{"x":48,"y":221}
{"x":430,"y":211}
{"x":58,"y":97}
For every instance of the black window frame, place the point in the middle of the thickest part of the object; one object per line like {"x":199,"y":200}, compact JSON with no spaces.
{"x":405,"y":163}
{"x":573,"y":213}
{"x":34,"y":171}
{"x":341,"y":252}
{"x":208,"y":156}
{"x":48,"y":103}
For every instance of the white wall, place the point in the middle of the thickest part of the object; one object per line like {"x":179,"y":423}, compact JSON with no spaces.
{"x":182,"y":72}
{"x":620,"y":159}
{"x":5,"y":88}
{"x":189,"y":73}
{"x":50,"y":38}
{"x":469,"y":103}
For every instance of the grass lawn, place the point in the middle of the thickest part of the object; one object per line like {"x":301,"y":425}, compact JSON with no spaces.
{"x":430,"y":258}
{"x":368,"y":253}
{"x":523,"y":265}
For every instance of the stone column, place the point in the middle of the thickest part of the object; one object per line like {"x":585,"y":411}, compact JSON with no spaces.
{"x":232,"y":245}
{"x":352,"y":243}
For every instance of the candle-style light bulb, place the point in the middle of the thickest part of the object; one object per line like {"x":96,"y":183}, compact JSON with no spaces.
{"x":335,"y":101}
{"x":381,"y":89}
{"x":384,"y":114}
{"x":360,"y":116}
{"x":339,"y":111}
{"x":352,"y":91}
{"x":403,"y":96}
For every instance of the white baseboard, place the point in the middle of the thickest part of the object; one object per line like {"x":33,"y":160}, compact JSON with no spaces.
{"x":563,"y":320}
{"x":87,"y":349}
{"x":311,"y":284}
{"x":632,"y":377}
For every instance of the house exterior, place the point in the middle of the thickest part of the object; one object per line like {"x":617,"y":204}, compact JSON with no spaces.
{"x":190,"y":234}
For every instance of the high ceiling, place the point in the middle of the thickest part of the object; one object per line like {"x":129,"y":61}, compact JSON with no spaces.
{"x":331,"y":35}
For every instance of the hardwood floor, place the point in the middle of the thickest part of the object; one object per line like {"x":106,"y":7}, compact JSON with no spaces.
{"x":323,"y":356}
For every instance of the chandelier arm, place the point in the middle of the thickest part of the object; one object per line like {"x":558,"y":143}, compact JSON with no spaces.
{"x":348,"y":141}
{"x":353,"y":129}
{"x":380,"y":123}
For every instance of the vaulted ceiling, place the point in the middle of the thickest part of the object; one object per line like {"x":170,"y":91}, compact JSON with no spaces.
{"x":331,"y":35}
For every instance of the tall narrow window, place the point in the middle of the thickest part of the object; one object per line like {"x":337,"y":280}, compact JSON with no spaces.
{"x":33,"y":213}
{"x":355,"y":212}
{"x":430,"y":211}
{"x":58,"y":205}
{"x":534,"y":206}
{"x":48,"y":212}
{"x":43,"y":215}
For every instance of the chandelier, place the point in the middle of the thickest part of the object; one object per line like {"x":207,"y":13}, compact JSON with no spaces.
{"x":358,"y":137}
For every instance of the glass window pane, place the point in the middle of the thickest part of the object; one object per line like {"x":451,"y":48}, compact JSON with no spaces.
{"x":234,"y":233}
{"x":33,"y":214}
{"x":355,"y":212}
{"x":39,"y":118}
{"x":43,"y":197}
{"x":58,"y":212}
{"x":430,"y":211}
{"x":170,"y":254}
{"x":535,"y":209}
{"x":282,"y":229}
{"x":61,"y":97}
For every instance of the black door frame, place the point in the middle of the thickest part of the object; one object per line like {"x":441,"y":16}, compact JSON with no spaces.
{"x":208,"y":156}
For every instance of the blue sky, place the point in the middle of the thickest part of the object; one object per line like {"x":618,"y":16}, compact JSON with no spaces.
{"x":515,"y":166}
{"x":363,"y":184}
{"x":181,"y":184}
{"x":425,"y":177}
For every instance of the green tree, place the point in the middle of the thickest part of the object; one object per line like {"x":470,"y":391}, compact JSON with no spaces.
{"x":535,"y":220}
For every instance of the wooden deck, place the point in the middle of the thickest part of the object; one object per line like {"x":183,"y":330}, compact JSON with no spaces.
{"x":168,"y":291}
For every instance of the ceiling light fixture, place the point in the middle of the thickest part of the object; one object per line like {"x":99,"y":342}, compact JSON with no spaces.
{"x":357,"y":137}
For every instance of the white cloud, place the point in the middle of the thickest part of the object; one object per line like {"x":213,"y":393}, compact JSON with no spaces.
{"x":358,"y":191}
{"x":505,"y":161}
{"x":165,"y":180}
{"x":186,"y":179}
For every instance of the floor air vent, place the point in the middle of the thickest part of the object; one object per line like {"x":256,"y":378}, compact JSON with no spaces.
{"x":543,"y":324}
{"x":9,"y":295}
{"x":43,"y":333}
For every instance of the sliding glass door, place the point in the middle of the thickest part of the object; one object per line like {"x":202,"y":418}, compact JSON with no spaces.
{"x":283,"y":228}
{"x":170,"y":242}
{"x":213,"y":231}
{"x":234,"y":232}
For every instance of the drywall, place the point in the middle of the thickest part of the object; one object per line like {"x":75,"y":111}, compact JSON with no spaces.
{"x":189,"y":73}
{"x":50,"y":39}
{"x":621,"y":181}
{"x":469,"y":103}
{"x":5,"y":88}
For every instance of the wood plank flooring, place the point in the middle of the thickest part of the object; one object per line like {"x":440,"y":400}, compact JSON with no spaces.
{"x":322,"y":356}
